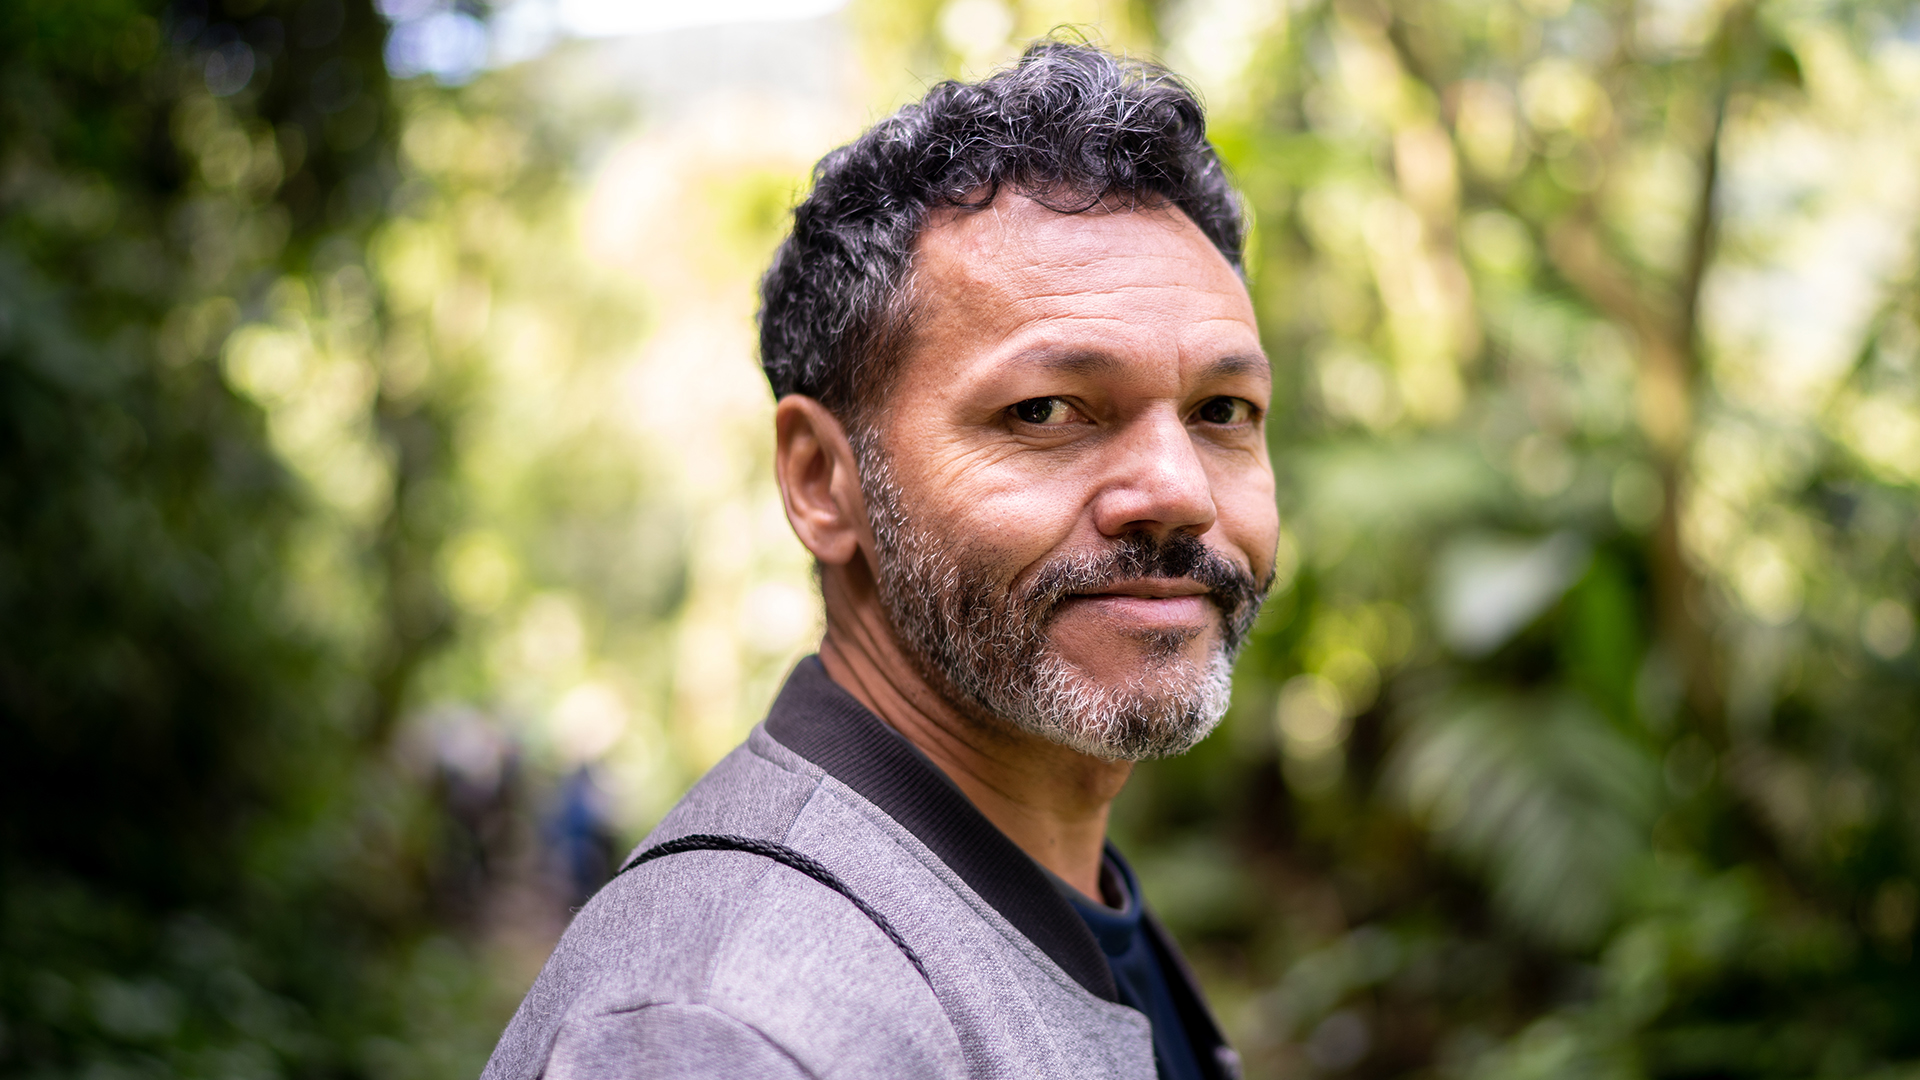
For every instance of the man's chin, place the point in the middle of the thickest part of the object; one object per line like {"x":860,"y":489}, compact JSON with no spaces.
{"x":1113,"y":655}
{"x":1164,"y":664}
{"x":1163,"y":709}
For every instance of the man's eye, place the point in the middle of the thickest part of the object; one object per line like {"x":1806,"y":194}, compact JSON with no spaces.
{"x":1224,"y":410}
{"x":1043,"y":410}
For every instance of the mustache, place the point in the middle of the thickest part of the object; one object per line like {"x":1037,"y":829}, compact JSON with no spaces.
{"x":1179,"y":555}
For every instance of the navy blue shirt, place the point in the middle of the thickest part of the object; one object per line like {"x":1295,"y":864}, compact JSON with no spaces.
{"x":1137,"y":966}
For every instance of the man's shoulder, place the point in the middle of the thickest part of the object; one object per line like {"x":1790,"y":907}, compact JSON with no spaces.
{"x":757,"y":790}
{"x":762,"y":963}
{"x":740,"y":955}
{"x":730,"y":949}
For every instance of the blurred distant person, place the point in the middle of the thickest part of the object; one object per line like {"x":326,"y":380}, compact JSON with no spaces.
{"x":1021,"y":429}
{"x":477,"y":782}
{"x":580,"y":836}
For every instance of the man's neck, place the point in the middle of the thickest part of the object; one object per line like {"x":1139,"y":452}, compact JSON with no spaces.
{"x":1048,"y":799}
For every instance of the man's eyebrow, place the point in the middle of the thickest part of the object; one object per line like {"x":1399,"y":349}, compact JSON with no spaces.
{"x":1085,"y":362}
{"x":1228,"y":367}
{"x":1082,"y":362}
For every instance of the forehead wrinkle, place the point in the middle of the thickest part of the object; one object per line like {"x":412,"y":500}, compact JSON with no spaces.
{"x":1123,"y":305}
{"x":1044,"y":319}
{"x":1073,"y":290}
{"x":1139,"y":273}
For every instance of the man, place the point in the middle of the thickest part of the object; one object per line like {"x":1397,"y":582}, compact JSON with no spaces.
{"x":1020,"y":428}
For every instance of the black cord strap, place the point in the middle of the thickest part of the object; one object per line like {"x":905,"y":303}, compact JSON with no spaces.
{"x":788,"y":857}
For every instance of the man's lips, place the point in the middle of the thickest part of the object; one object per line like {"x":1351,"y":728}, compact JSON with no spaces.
{"x":1148,"y":603}
{"x":1151,"y":588}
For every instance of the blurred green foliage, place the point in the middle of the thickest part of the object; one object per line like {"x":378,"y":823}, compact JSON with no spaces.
{"x":378,"y":451}
{"x":208,"y":863}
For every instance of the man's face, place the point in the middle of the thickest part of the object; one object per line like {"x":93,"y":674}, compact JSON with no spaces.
{"x":1070,"y":493}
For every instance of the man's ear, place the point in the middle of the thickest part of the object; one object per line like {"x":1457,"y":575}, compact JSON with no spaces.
{"x":819,"y":480}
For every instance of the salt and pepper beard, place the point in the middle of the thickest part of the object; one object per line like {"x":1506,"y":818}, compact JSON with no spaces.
{"x":986,"y":642}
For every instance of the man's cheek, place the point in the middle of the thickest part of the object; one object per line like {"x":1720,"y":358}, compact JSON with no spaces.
{"x":1250,"y":522}
{"x":1016,"y":535}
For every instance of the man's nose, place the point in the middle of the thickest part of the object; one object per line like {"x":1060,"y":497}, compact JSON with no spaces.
{"x":1155,"y":481}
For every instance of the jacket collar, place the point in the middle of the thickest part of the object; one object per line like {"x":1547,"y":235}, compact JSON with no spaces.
{"x":817,"y":719}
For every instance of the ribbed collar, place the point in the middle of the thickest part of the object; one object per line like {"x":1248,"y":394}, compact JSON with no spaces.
{"x":817,"y":719}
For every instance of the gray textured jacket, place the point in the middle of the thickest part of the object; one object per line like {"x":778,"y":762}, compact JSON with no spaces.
{"x":733,"y":964}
